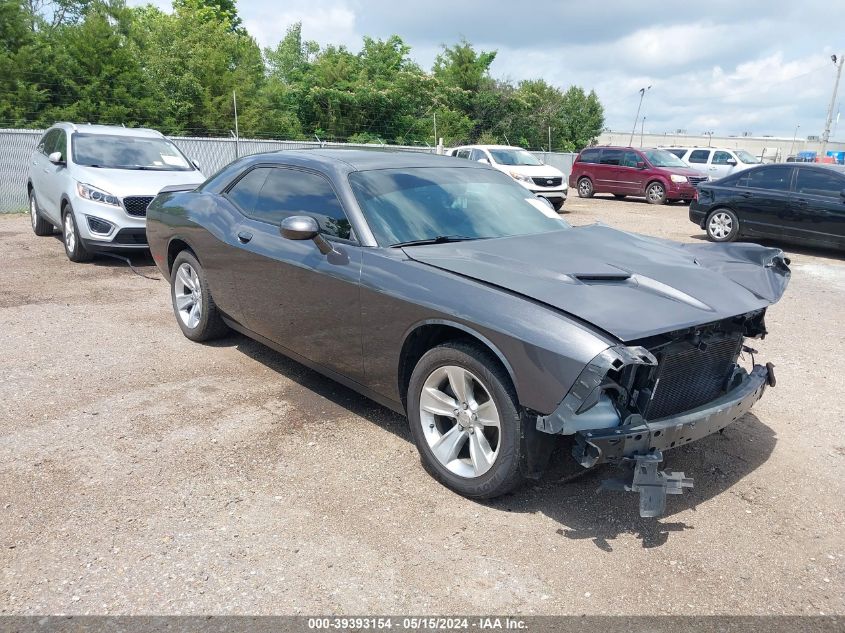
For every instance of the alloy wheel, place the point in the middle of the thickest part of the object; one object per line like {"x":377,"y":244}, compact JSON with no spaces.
{"x":656,"y":192}
{"x":188,"y":295}
{"x":460,"y":421}
{"x":33,"y":214}
{"x":720,"y":225}
{"x":70,"y":233}
{"x":584,"y":187}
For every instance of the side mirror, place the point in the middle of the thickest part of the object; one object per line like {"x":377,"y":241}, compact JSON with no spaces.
{"x":640,"y":164}
{"x":731,"y":161}
{"x":484,"y":160}
{"x":304,"y":227}
{"x":56,"y":158}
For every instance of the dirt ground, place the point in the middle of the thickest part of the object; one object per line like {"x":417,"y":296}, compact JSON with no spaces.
{"x":142,"y":473}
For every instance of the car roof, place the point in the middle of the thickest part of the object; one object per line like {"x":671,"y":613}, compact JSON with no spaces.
{"x":113,"y":130}
{"x":488,"y":147}
{"x":832,"y":166}
{"x":686,"y":149}
{"x":363,"y":159}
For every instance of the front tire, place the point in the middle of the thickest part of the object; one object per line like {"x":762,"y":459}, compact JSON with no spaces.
{"x":585,"y":188}
{"x":722,"y":226}
{"x":655,"y":193}
{"x":465,"y":420}
{"x":40,"y":226}
{"x":194,"y":307}
{"x":74,"y":248}
{"x":557,"y":204}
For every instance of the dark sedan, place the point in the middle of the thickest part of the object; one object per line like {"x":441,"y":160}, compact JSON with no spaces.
{"x":801,"y":203}
{"x":442,"y":289}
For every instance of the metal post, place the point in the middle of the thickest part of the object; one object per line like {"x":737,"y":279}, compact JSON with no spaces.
{"x":435,"y":128}
{"x":550,"y":138}
{"x":637,"y":118}
{"x":826,"y":135}
{"x":642,"y":131}
{"x":794,"y":136}
{"x":237,"y":135}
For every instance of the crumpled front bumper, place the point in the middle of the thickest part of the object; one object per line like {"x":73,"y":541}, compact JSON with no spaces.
{"x":614,"y":445}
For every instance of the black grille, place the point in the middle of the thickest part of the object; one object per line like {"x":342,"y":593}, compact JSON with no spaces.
{"x":696,"y":180}
{"x":131,"y":236}
{"x":137,"y":205}
{"x":688,"y":377}
{"x":548,"y":182}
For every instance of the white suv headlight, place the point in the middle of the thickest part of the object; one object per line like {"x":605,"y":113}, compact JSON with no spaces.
{"x":96,"y":195}
{"x":678,"y":178}
{"x":522,"y":177}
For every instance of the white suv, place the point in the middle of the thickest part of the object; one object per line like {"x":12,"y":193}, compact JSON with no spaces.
{"x":95,"y":182}
{"x":530,"y":172}
{"x":715,"y":162}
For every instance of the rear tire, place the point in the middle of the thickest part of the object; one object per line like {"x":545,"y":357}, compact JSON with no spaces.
{"x":655,"y":193}
{"x":585,"y":188}
{"x":722,"y":226}
{"x":74,"y":248}
{"x":476,"y":452}
{"x":194,"y":307}
{"x":40,"y":226}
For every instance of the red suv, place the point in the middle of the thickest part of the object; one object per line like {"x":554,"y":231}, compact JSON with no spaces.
{"x":624,"y":171}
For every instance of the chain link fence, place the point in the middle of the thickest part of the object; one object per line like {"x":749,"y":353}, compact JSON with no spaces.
{"x":212,"y":154}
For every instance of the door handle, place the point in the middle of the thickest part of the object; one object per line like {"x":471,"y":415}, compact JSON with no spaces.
{"x":746,"y":194}
{"x":244,"y":237}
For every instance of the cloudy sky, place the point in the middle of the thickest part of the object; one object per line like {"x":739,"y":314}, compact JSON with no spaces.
{"x":722,"y":66}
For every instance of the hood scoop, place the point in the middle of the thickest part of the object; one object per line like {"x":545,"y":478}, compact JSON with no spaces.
{"x":601,"y":278}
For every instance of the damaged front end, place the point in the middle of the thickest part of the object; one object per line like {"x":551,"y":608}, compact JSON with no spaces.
{"x":632,"y":402}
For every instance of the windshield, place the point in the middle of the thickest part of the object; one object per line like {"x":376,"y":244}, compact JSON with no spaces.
{"x":405,"y":205}
{"x":745,"y":157}
{"x":127,"y":152}
{"x":513,"y":157}
{"x":662,"y":158}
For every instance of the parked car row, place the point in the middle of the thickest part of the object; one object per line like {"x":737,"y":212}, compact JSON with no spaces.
{"x":438,"y":288}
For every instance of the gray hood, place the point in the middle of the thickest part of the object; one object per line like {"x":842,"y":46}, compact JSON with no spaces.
{"x":134,"y":182}
{"x":629,"y":285}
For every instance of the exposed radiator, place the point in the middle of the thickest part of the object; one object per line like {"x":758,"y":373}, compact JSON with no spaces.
{"x":688,"y":377}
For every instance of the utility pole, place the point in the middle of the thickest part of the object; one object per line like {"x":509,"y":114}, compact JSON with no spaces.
{"x":637,"y":118}
{"x":435,"y":128}
{"x":642,"y":131}
{"x":794,"y":136}
{"x":237,"y":136}
{"x":826,"y":135}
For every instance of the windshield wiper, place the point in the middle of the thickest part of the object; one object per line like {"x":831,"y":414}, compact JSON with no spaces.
{"x":440,"y":239}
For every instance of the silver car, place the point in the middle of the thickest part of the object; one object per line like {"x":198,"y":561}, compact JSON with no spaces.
{"x":95,"y":182}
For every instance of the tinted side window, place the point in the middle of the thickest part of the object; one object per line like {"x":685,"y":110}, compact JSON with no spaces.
{"x":630,"y":159}
{"x":818,"y":183}
{"x":477,"y":155}
{"x":246,"y":190}
{"x":611,"y":157}
{"x":288,"y":192}
{"x":60,"y":144}
{"x":721,"y":158}
{"x":699,"y":156}
{"x":462,"y":153}
{"x":775,"y":178}
{"x":48,"y":142}
{"x":590,"y":156}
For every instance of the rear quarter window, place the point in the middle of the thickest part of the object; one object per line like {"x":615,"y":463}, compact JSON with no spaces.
{"x":590,"y":156}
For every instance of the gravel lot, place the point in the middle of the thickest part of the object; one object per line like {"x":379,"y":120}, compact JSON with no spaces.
{"x":143,"y":473}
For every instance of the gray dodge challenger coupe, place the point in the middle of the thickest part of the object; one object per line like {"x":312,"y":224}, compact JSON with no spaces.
{"x":443,"y":290}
